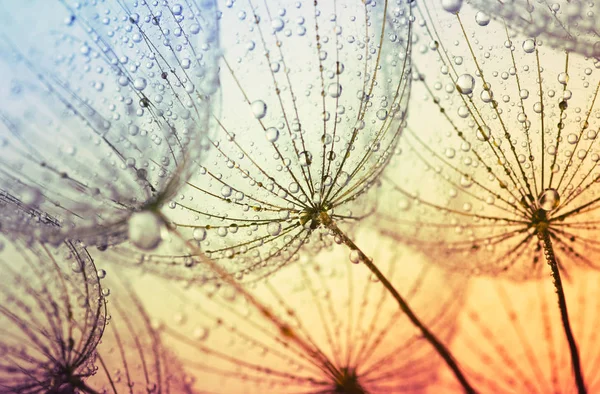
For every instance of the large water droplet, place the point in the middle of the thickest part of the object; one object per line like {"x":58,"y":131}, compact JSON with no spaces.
{"x":199,"y":234}
{"x":272,"y":134}
{"x":452,"y":6}
{"x":482,"y":18}
{"x":529,"y":45}
{"x":305,"y":158}
{"x":465,"y":84}
{"x":274,"y":228}
{"x":335,"y":90}
{"x":549,"y":200}
{"x":145,"y":230}
{"x":259,"y":109}
{"x":140,"y":83}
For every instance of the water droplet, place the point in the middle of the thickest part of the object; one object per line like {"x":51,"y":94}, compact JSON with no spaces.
{"x":145,"y":230}
{"x":274,"y":228}
{"x":483,"y":133}
{"x":382,"y":114}
{"x":465,"y":84}
{"x":529,"y":45}
{"x":452,"y":6}
{"x":277,"y":24}
{"x":563,"y":78}
{"x":305,"y":158}
{"x":482,"y":18}
{"x":335,"y":90}
{"x":139,"y":83}
{"x":199,"y":234}
{"x":272,"y":134}
{"x":259,"y":109}
{"x":549,"y":200}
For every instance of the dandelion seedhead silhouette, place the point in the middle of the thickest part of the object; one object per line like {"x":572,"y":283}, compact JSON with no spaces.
{"x":573,"y":25}
{"x":51,"y":316}
{"x":521,"y":344}
{"x":315,"y":98}
{"x":132,"y":356}
{"x":511,"y":156}
{"x":104,"y":110}
{"x":356,"y":339}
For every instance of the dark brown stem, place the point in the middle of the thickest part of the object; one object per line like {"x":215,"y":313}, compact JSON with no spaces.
{"x":428,"y":335}
{"x":544,"y":236}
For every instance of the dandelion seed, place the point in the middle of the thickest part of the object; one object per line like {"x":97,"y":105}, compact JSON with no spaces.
{"x":51,"y":316}
{"x":522,"y":193}
{"x":356,"y":340}
{"x":105,"y":116}
{"x":565,"y":24}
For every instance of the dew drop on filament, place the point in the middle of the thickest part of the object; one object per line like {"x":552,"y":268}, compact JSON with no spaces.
{"x":452,"y":6}
{"x":465,"y":84}
{"x":549,"y":200}
{"x":259,"y":109}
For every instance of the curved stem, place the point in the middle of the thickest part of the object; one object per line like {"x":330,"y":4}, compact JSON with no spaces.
{"x":441,"y":349}
{"x":544,"y":236}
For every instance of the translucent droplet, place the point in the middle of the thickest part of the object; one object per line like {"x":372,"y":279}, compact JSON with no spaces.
{"x":465,"y":84}
{"x":305,"y":158}
{"x":343,"y":179}
{"x":145,"y":230}
{"x":549,"y":200}
{"x":529,"y":45}
{"x":139,"y":83}
{"x":199,"y":234}
{"x":482,"y":18}
{"x":259,"y":109}
{"x":382,"y":114}
{"x":483,"y":133}
{"x":272,"y":134}
{"x":563,"y":78}
{"x":274,"y":228}
{"x":334,"y":90}
{"x":452,"y":6}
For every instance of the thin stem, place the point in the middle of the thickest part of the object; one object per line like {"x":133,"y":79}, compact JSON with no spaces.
{"x":428,"y":335}
{"x":544,"y":236}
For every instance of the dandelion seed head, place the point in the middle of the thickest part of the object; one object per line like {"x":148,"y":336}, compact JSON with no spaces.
{"x":315,"y":99}
{"x":500,"y":147}
{"x":355,"y":340}
{"x":104,"y":116}
{"x":52,"y":315}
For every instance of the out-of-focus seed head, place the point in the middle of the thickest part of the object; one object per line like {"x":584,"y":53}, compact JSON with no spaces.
{"x":52,"y":315}
{"x":105,"y":108}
